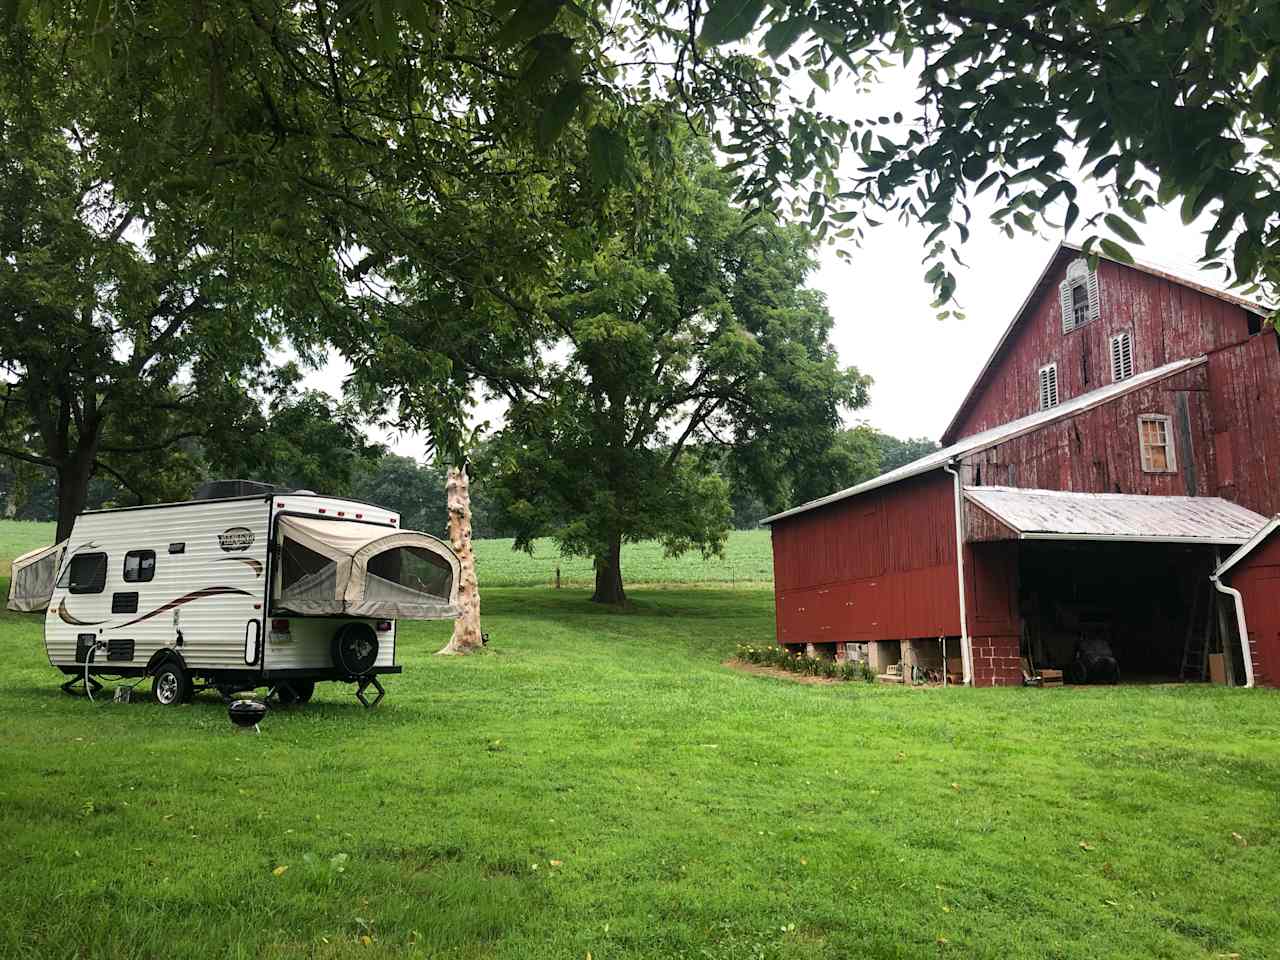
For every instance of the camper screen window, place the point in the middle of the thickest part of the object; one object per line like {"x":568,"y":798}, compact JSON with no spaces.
{"x":87,"y":573}
{"x":139,"y":566}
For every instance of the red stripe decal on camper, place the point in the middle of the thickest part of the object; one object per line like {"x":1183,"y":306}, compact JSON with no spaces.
{"x":254,"y":565}
{"x":195,"y":595}
{"x":65,"y":616}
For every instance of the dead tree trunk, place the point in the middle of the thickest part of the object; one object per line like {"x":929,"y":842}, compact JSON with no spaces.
{"x":466,"y":629}
{"x":609,"y":575}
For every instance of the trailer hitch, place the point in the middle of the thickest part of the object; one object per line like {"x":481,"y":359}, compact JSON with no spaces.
{"x":366,"y":683}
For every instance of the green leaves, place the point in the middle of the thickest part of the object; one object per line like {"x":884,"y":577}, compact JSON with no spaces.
{"x":607,"y":151}
{"x":530,"y":18}
{"x":729,"y":20}
{"x":559,"y":111}
{"x":783,"y":34}
{"x":1121,"y":228}
{"x":1116,"y":252}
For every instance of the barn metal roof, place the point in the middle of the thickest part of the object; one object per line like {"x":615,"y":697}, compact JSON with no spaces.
{"x":1253,"y":543}
{"x":1063,"y":515}
{"x":996,"y":435}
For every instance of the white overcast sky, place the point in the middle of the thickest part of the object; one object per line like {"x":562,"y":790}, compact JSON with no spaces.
{"x":885,"y":324}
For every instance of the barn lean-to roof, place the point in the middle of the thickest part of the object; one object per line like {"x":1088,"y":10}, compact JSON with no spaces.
{"x":1066,"y":515}
{"x":1037,"y":290}
{"x":997,"y":435}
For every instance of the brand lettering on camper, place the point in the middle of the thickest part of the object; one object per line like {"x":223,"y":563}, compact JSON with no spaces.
{"x":236,"y":538}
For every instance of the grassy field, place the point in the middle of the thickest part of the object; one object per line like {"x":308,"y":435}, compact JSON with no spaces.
{"x":748,"y":560}
{"x":600,"y":784}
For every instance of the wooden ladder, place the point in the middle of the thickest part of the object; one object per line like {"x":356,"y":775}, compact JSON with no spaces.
{"x":1195,"y":649}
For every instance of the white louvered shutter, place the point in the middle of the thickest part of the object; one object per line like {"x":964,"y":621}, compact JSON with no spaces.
{"x":1048,"y":386}
{"x":1095,"y":297}
{"x":1068,"y":312}
{"x":1121,"y":357}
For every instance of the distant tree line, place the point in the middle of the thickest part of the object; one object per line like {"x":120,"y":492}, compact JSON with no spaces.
{"x":314,"y":442}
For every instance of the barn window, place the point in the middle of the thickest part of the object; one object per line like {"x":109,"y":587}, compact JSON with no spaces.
{"x":1155,"y":438}
{"x":1078,"y":294}
{"x":1048,"y":386}
{"x":1121,"y":356}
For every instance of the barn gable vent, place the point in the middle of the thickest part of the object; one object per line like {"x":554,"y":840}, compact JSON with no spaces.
{"x":1079,"y":296}
{"x":1121,"y":356}
{"x":1048,"y":386}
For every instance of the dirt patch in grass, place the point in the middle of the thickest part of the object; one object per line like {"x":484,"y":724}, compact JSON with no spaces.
{"x":762,"y":671}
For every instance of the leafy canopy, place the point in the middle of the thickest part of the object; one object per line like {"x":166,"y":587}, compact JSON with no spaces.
{"x":688,"y":326}
{"x":1158,"y":102}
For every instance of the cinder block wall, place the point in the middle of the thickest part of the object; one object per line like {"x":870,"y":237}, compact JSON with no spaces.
{"x":995,"y":662}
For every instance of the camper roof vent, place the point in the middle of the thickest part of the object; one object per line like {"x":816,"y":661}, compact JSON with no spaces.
{"x":220,"y":489}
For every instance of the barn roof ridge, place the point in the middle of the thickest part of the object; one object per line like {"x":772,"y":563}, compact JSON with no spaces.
{"x":999,"y":434}
{"x":1032,"y":294}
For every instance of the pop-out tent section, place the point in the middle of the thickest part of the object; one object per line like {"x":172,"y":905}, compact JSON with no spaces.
{"x":32,"y":578}
{"x":348,"y":568}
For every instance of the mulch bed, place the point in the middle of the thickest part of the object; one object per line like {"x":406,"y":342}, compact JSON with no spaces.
{"x":776,"y":672}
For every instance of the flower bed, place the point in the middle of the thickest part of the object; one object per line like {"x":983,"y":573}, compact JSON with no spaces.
{"x":778,"y":656}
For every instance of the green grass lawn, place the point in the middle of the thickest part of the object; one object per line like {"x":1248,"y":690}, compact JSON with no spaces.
{"x":600,"y":784}
{"x":19,"y":536}
{"x":747,"y":560}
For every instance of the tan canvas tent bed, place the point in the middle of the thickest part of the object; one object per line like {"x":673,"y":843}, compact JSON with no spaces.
{"x":32,"y":577}
{"x":347,"y":568}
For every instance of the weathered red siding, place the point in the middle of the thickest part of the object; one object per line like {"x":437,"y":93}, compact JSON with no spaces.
{"x":991,"y":603}
{"x":879,"y":566}
{"x":1244,"y":396}
{"x":1257,"y":577}
{"x":1097,"y":450}
{"x":1168,"y":321}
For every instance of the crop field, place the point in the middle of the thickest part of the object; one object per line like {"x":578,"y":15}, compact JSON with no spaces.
{"x":598,"y":783}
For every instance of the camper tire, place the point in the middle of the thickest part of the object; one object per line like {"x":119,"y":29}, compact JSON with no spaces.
{"x":291,"y":692}
{"x":170,"y":684}
{"x":355,"y":649}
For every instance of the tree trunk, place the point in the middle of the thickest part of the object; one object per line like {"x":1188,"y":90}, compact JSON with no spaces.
{"x":609,"y":575}
{"x":466,"y":629}
{"x":73,"y":493}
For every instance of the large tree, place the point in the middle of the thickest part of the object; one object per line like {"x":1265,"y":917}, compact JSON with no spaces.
{"x":687,"y":325}
{"x":1164,"y":102}
{"x":129,"y":325}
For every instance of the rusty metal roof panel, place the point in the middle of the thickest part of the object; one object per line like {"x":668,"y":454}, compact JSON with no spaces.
{"x":1062,"y":515}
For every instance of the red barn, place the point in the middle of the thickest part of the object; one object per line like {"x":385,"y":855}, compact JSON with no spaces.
{"x":1106,"y":477}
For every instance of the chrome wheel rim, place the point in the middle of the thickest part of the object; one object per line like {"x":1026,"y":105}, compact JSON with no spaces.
{"x":166,"y":688}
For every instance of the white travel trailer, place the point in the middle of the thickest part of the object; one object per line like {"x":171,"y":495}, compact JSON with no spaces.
{"x":275,"y":590}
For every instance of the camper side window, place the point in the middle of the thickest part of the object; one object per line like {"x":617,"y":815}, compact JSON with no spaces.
{"x":139,"y":566}
{"x":86,"y":573}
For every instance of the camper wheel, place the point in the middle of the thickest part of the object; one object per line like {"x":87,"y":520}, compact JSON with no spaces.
{"x":170,"y":684}
{"x":290,"y":692}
